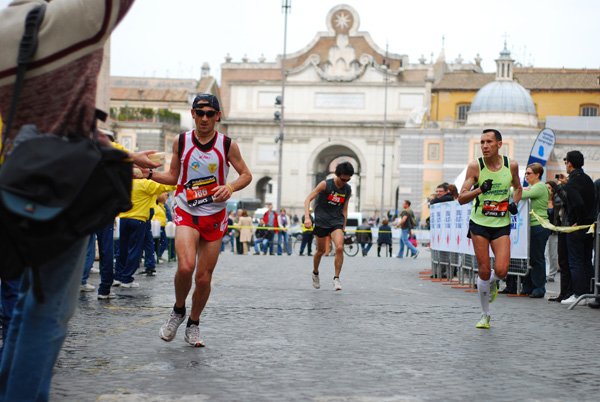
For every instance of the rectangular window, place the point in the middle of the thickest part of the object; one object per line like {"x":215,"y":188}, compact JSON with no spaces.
{"x":589,"y":111}
{"x":462,"y":112}
{"x":433,"y":151}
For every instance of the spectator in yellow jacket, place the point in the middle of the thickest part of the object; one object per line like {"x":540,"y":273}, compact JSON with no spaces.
{"x":160,"y":214}
{"x":132,"y":229}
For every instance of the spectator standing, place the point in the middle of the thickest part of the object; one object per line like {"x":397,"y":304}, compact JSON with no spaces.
{"x":551,"y":252}
{"x":407,"y":222}
{"x":534,"y":284}
{"x":271,"y":220}
{"x":307,"y":235}
{"x":58,"y":96}
{"x":283,"y":221}
{"x":560,"y":219}
{"x":160,"y":214}
{"x":133,"y":228}
{"x":245,"y":231}
{"x":444,"y":193}
{"x":238,"y":244}
{"x":581,"y":210}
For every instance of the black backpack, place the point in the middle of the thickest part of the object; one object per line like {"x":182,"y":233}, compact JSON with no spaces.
{"x":54,"y":190}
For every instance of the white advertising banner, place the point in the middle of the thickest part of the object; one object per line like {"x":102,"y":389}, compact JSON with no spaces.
{"x":449,"y":225}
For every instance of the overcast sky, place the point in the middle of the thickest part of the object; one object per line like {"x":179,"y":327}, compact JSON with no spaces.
{"x":173,"y":38}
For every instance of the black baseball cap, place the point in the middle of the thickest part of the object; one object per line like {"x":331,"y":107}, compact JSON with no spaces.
{"x":206,"y":100}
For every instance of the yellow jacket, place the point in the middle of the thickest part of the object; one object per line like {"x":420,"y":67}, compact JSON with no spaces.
{"x":143,"y":197}
{"x":160,"y":214}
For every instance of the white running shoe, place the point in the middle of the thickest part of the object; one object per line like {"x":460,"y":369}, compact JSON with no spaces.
{"x":130,"y":285}
{"x":87,"y":288}
{"x":169,"y":329}
{"x":111,"y":295}
{"x":192,"y":336}
{"x":116,"y":282}
{"x":94,"y":271}
{"x":573,"y":299}
{"x":316,"y":281}
{"x":337,"y":285}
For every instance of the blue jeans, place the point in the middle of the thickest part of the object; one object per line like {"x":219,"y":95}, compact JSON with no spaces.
{"x":37,"y":331}
{"x":163,"y":243}
{"x":404,"y":241}
{"x":149,"y":249}
{"x":105,"y":237}
{"x":580,"y":246}
{"x":265,"y":245}
{"x":535,"y":282}
{"x":366,"y":246}
{"x":10,"y":294}
{"x":283,"y":234}
{"x":307,"y":238}
{"x":131,"y":240}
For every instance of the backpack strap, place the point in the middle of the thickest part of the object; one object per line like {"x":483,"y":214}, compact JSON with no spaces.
{"x":506,"y":164}
{"x":27,"y":49}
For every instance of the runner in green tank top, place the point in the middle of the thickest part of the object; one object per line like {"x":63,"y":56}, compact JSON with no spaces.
{"x":487,"y":183}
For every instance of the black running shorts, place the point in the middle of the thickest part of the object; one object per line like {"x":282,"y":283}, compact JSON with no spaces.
{"x":324,"y":232}
{"x":489,"y":233}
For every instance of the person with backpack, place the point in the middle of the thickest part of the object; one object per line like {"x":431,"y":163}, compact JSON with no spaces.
{"x":59,"y":97}
{"x":407,"y":222}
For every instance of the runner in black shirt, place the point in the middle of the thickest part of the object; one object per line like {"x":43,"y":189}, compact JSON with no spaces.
{"x":331,"y":211}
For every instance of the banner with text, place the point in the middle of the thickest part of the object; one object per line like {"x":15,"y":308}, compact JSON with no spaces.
{"x":449,"y":225}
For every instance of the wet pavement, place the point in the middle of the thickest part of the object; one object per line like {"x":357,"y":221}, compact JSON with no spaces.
{"x":389,"y":335}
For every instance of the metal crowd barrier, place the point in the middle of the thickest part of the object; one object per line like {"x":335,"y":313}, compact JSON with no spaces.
{"x":466,"y":268}
{"x":595,"y":279}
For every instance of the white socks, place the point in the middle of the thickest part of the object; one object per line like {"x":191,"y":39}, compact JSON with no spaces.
{"x":483,"y":290}
{"x":493,"y":276}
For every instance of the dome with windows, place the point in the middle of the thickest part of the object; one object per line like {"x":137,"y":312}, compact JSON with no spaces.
{"x":504,"y":101}
{"x":503,"y":96}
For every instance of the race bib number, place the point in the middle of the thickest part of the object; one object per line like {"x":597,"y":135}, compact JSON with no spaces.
{"x":336,"y":199}
{"x":200,"y":191}
{"x":496,"y":209}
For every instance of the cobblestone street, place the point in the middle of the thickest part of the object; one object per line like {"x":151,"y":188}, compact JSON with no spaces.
{"x":389,"y":335}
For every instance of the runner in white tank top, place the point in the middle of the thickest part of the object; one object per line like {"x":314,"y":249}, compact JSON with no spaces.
{"x":202,"y":172}
{"x":199,"y":167}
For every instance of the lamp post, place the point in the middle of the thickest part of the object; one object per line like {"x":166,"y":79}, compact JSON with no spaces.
{"x":385,"y":67}
{"x":286,"y":6}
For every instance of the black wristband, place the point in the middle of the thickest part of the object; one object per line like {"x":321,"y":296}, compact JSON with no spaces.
{"x":149,"y":174}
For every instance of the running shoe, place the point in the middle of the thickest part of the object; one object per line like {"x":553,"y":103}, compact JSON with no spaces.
{"x":130,"y":285}
{"x":110,"y":295}
{"x":337,"y":285}
{"x":316,"y":281}
{"x":87,"y":288}
{"x":169,"y":328}
{"x":192,"y":336}
{"x":493,"y":290}
{"x":484,"y":322}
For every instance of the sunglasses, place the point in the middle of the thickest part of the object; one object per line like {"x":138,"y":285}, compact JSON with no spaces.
{"x":208,"y":113}
{"x":528,"y":173}
{"x":344,"y":180}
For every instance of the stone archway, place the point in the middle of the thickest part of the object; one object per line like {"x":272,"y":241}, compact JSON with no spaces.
{"x":263,"y":189}
{"x":324,"y":166}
